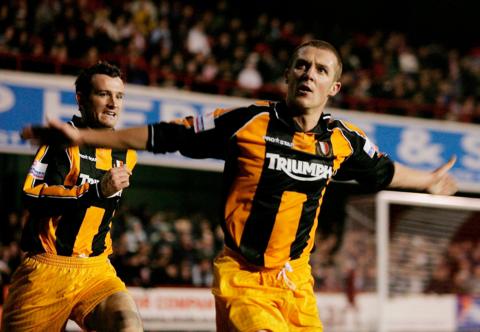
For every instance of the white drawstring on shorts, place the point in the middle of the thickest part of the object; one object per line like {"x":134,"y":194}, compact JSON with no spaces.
{"x":283,"y":274}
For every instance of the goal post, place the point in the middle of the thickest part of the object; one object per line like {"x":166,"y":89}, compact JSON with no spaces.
{"x":384,"y":201}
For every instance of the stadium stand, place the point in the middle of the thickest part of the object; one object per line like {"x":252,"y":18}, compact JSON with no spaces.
{"x":166,"y":249}
{"x":210,"y":48}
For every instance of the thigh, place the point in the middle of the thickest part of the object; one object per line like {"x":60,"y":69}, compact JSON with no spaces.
{"x":98,"y":292}
{"x":39,"y":298}
{"x":118,"y":312}
{"x":301,"y":311}
{"x":243,"y":302}
{"x":245,"y":314}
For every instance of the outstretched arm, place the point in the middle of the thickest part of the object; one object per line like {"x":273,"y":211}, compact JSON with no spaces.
{"x":437,"y":182}
{"x":62,"y":133}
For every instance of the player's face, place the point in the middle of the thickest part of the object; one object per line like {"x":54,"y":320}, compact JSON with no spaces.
{"x":103,"y":105}
{"x":312,"y":79}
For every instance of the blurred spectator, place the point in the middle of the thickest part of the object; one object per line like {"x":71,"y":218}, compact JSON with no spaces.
{"x":473,"y":284}
{"x":440,"y":282}
{"x":202,"y":273}
{"x":197,"y":40}
{"x":249,"y":78}
{"x":135,"y":235}
{"x":408,"y":61}
{"x":11,"y":228}
{"x":161,"y":37}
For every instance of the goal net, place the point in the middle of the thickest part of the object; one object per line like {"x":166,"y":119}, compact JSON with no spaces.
{"x":427,"y":247}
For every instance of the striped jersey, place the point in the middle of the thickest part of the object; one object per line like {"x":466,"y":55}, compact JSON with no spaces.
{"x":68,"y":214}
{"x":275,"y":174}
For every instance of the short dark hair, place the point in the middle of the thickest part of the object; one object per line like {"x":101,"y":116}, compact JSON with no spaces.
{"x":83,"y":83}
{"x":321,"y":44}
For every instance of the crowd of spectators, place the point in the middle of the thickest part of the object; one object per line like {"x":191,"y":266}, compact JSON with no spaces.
{"x":208,"y":47}
{"x":165,"y":248}
{"x":459,"y":270}
{"x":10,"y":253}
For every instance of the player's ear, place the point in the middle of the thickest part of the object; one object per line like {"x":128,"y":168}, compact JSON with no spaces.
{"x":335,"y":88}
{"x":79,"y":98}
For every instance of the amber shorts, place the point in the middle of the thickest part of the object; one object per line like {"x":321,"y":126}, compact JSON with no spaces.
{"x":47,"y":290}
{"x":250,"y":299}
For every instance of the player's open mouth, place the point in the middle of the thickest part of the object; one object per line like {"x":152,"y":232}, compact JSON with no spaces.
{"x":304,"y":89}
{"x":110,"y":114}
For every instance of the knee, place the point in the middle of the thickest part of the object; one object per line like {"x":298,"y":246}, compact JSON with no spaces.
{"x":125,"y":321}
{"x":116,"y":313}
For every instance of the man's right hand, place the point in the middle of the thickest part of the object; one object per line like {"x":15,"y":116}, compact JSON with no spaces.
{"x":114,"y":180}
{"x":56,"y":133}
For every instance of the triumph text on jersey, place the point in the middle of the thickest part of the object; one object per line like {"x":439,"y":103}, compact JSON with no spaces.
{"x":275,"y":174}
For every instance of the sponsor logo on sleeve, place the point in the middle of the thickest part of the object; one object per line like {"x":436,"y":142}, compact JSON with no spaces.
{"x":204,"y":122}
{"x":38,"y":170}
{"x":369,"y":148}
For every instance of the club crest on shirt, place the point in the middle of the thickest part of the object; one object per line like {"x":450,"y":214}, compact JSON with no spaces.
{"x":324,"y":149}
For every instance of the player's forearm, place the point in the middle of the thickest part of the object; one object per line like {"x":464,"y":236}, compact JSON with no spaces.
{"x":54,"y":199}
{"x":409,"y":178}
{"x":130,"y":138}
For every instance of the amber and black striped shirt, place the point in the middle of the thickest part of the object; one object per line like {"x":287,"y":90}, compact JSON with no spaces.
{"x":275,"y":174}
{"x":67,"y":214}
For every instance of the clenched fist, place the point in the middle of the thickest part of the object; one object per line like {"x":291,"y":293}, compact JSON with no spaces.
{"x":115,"y":180}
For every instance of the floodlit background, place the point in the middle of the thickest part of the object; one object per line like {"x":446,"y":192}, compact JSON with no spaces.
{"x":411,"y":81}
